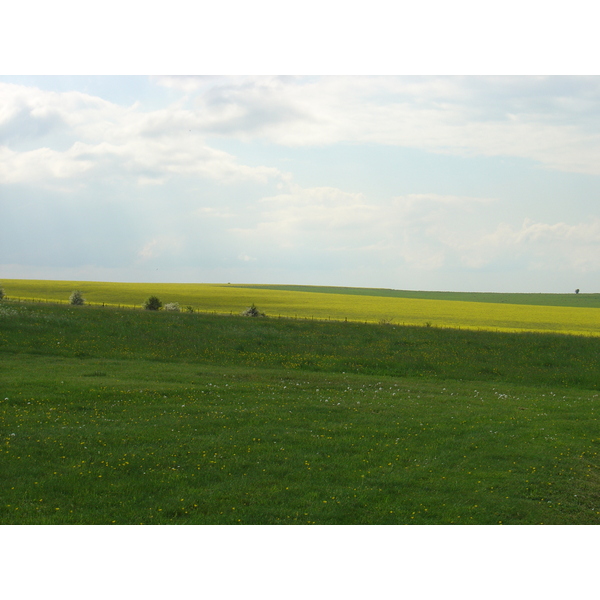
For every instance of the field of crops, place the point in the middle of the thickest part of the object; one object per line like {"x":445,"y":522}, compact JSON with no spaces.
{"x":511,"y":312}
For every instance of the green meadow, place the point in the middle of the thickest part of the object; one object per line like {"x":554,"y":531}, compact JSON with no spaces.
{"x":575,"y":300}
{"x":112,"y":415}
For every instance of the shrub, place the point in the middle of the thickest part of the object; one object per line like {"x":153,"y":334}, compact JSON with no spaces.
{"x":76,"y":298}
{"x":172,"y":306}
{"x":252,"y":311}
{"x":152,"y":303}
{"x":189,"y":309}
{"x":1,"y":293}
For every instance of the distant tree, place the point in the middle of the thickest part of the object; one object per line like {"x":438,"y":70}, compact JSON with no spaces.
{"x":152,"y":303}
{"x":252,"y":311}
{"x":76,"y":298}
{"x":577,"y":291}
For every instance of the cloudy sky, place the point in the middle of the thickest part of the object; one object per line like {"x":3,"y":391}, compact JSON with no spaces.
{"x":467,"y":183}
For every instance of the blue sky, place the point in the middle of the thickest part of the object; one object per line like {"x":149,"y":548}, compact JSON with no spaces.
{"x":475,"y":183}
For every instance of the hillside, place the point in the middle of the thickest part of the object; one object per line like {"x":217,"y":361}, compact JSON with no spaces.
{"x":539,"y":299}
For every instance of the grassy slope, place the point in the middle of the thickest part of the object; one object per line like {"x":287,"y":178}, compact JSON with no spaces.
{"x":93,"y":332}
{"x":320,"y":305}
{"x":573,"y":300}
{"x":127,"y":417}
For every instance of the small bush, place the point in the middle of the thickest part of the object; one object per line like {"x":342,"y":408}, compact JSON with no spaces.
{"x":1,"y":293}
{"x":252,"y":311}
{"x":172,"y":306}
{"x":152,"y":303}
{"x":76,"y":298}
{"x":189,"y":309}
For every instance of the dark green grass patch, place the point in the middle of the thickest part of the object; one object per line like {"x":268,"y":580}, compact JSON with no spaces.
{"x":86,"y":332}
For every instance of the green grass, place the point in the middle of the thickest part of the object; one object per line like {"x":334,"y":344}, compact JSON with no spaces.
{"x":121,"y":416}
{"x":92,"y":332}
{"x":539,"y":299}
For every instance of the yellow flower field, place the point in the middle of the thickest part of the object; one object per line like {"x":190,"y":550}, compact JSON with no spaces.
{"x":229,"y":299}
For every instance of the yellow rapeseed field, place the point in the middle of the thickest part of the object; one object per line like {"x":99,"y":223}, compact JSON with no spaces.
{"x":229,"y":299}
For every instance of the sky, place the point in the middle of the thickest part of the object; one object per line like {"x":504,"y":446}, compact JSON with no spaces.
{"x":462,"y":172}
{"x":460,"y":183}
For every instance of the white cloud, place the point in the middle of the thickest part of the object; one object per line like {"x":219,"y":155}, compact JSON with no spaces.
{"x":426,"y":232}
{"x":42,"y":165}
{"x":582,"y":233}
{"x":328,"y":225}
{"x":149,"y":146}
{"x":534,"y":246}
{"x":310,"y":220}
{"x":551,"y":120}
{"x":557,"y":246}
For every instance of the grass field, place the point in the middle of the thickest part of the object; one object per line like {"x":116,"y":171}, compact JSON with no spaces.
{"x":118,"y":416}
{"x":574,"y":314}
{"x":575,"y":300}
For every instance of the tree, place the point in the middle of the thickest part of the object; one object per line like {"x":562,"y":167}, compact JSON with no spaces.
{"x":577,"y":291}
{"x":76,"y":298}
{"x":252,"y":311}
{"x":152,"y":303}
